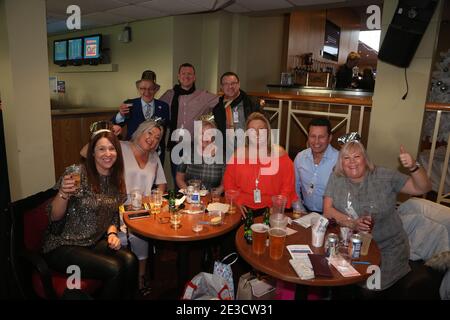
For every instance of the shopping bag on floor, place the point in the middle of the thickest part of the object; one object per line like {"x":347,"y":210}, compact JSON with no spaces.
{"x":223,"y":269}
{"x":207,"y":286}
{"x":254,"y":287}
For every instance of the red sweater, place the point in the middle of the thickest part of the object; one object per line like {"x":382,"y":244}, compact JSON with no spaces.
{"x":242,"y":177}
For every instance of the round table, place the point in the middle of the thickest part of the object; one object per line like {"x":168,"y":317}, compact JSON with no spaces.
{"x":282,"y":269}
{"x":158,"y":227}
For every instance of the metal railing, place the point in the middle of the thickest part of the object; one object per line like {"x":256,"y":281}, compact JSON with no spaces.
{"x":440,"y":109}
{"x":342,"y":108}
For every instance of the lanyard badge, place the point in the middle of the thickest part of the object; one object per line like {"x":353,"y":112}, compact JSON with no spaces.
{"x":256,"y":191}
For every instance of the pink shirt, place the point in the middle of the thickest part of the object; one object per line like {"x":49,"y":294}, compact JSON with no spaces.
{"x":191,"y":106}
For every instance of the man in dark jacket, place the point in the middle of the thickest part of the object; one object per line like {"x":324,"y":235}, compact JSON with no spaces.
{"x":233,"y":109}
{"x":135,"y":111}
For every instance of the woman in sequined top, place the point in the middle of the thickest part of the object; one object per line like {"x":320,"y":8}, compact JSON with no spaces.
{"x":84,"y":221}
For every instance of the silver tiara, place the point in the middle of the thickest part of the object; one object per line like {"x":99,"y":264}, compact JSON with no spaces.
{"x":351,"y":136}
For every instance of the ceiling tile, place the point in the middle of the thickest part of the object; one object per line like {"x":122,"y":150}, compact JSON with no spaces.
{"x":136,"y":12}
{"x":86,"y":6}
{"x":262,"y":5}
{"x":172,"y":7}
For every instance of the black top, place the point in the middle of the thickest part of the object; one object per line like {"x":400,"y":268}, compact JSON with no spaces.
{"x":344,"y":77}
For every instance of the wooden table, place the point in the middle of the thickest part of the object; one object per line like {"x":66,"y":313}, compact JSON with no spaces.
{"x":158,"y":227}
{"x":282,"y":269}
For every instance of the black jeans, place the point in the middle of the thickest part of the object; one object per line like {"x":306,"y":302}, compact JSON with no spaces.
{"x":117,"y":269}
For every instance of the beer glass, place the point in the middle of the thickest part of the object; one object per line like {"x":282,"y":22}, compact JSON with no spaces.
{"x":277,"y":237}
{"x":259,"y":236}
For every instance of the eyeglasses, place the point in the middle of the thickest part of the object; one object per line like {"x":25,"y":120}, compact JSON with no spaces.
{"x":230,"y":84}
{"x":148,"y":89}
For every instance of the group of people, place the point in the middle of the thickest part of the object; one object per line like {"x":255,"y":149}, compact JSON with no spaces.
{"x":86,"y":228}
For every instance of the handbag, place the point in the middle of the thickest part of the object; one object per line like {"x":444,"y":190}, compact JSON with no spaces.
{"x":223,"y":269}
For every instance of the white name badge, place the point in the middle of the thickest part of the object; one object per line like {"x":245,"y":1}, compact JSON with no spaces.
{"x":257,"y":196}
{"x":235,"y":116}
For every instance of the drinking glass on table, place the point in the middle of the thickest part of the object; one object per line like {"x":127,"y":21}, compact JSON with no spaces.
{"x":231,"y":196}
{"x":215,"y":195}
{"x":156,"y":201}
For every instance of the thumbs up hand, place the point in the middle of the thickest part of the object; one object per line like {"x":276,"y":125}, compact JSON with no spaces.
{"x":406,"y":159}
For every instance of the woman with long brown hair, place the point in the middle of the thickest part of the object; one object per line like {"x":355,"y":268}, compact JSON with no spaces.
{"x":84,"y":221}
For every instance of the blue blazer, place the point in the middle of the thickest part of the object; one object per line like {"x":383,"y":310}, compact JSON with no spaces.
{"x":136,"y":117}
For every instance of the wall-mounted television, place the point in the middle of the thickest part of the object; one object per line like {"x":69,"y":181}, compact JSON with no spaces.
{"x":92,"y":49}
{"x":60,"y":52}
{"x":75,"y":51}
{"x":331,"y":42}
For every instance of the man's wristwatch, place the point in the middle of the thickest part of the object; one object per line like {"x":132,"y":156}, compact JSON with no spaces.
{"x":417,"y":167}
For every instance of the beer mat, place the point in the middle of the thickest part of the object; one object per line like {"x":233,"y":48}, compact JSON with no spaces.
{"x":303,"y":268}
{"x":298,"y":251}
{"x":343,"y":266}
{"x":290,"y":231}
{"x":320,"y":265}
{"x":305,"y":221}
{"x":218,"y":206}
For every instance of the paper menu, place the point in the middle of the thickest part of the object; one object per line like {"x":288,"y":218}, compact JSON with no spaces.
{"x":305,"y":221}
{"x":299,"y":251}
{"x":343,"y":266}
{"x":303,"y":268}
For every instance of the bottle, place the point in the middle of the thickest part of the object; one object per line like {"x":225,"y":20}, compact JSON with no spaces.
{"x":171,"y":201}
{"x":247,"y":226}
{"x":266,"y":219}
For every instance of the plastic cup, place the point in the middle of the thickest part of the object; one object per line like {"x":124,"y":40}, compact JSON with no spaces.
{"x":278,"y":220}
{"x":196,"y":225}
{"x":278,"y":204}
{"x":366,"y":239}
{"x":259,"y":236}
{"x":215,"y":195}
{"x":136,"y":199}
{"x":277,"y":237}
{"x":317,"y":238}
{"x":231,"y":196}
{"x":345,"y":233}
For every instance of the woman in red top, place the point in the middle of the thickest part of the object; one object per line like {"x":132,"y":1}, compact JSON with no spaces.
{"x":260,"y":169}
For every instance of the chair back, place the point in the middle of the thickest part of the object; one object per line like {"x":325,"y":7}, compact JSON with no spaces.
{"x":28,"y":223}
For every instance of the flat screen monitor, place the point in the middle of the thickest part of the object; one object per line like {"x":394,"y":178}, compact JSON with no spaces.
{"x":331,"y":41}
{"x":92,"y":49}
{"x":75,"y":51}
{"x":60,"y":52}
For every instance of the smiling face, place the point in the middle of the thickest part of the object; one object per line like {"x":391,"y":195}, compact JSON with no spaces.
{"x":354,"y":165}
{"x":230,"y":87}
{"x":105,"y":155}
{"x":149,"y":140}
{"x":147,"y":90}
{"x":318,"y":139}
{"x":186,"y":77}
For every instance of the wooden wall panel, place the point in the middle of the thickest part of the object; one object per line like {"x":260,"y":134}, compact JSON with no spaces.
{"x":70,"y":134}
{"x":307,"y":33}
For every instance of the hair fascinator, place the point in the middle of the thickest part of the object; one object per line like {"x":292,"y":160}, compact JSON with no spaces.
{"x":206,"y":117}
{"x":99,"y":127}
{"x":348,"y":137}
